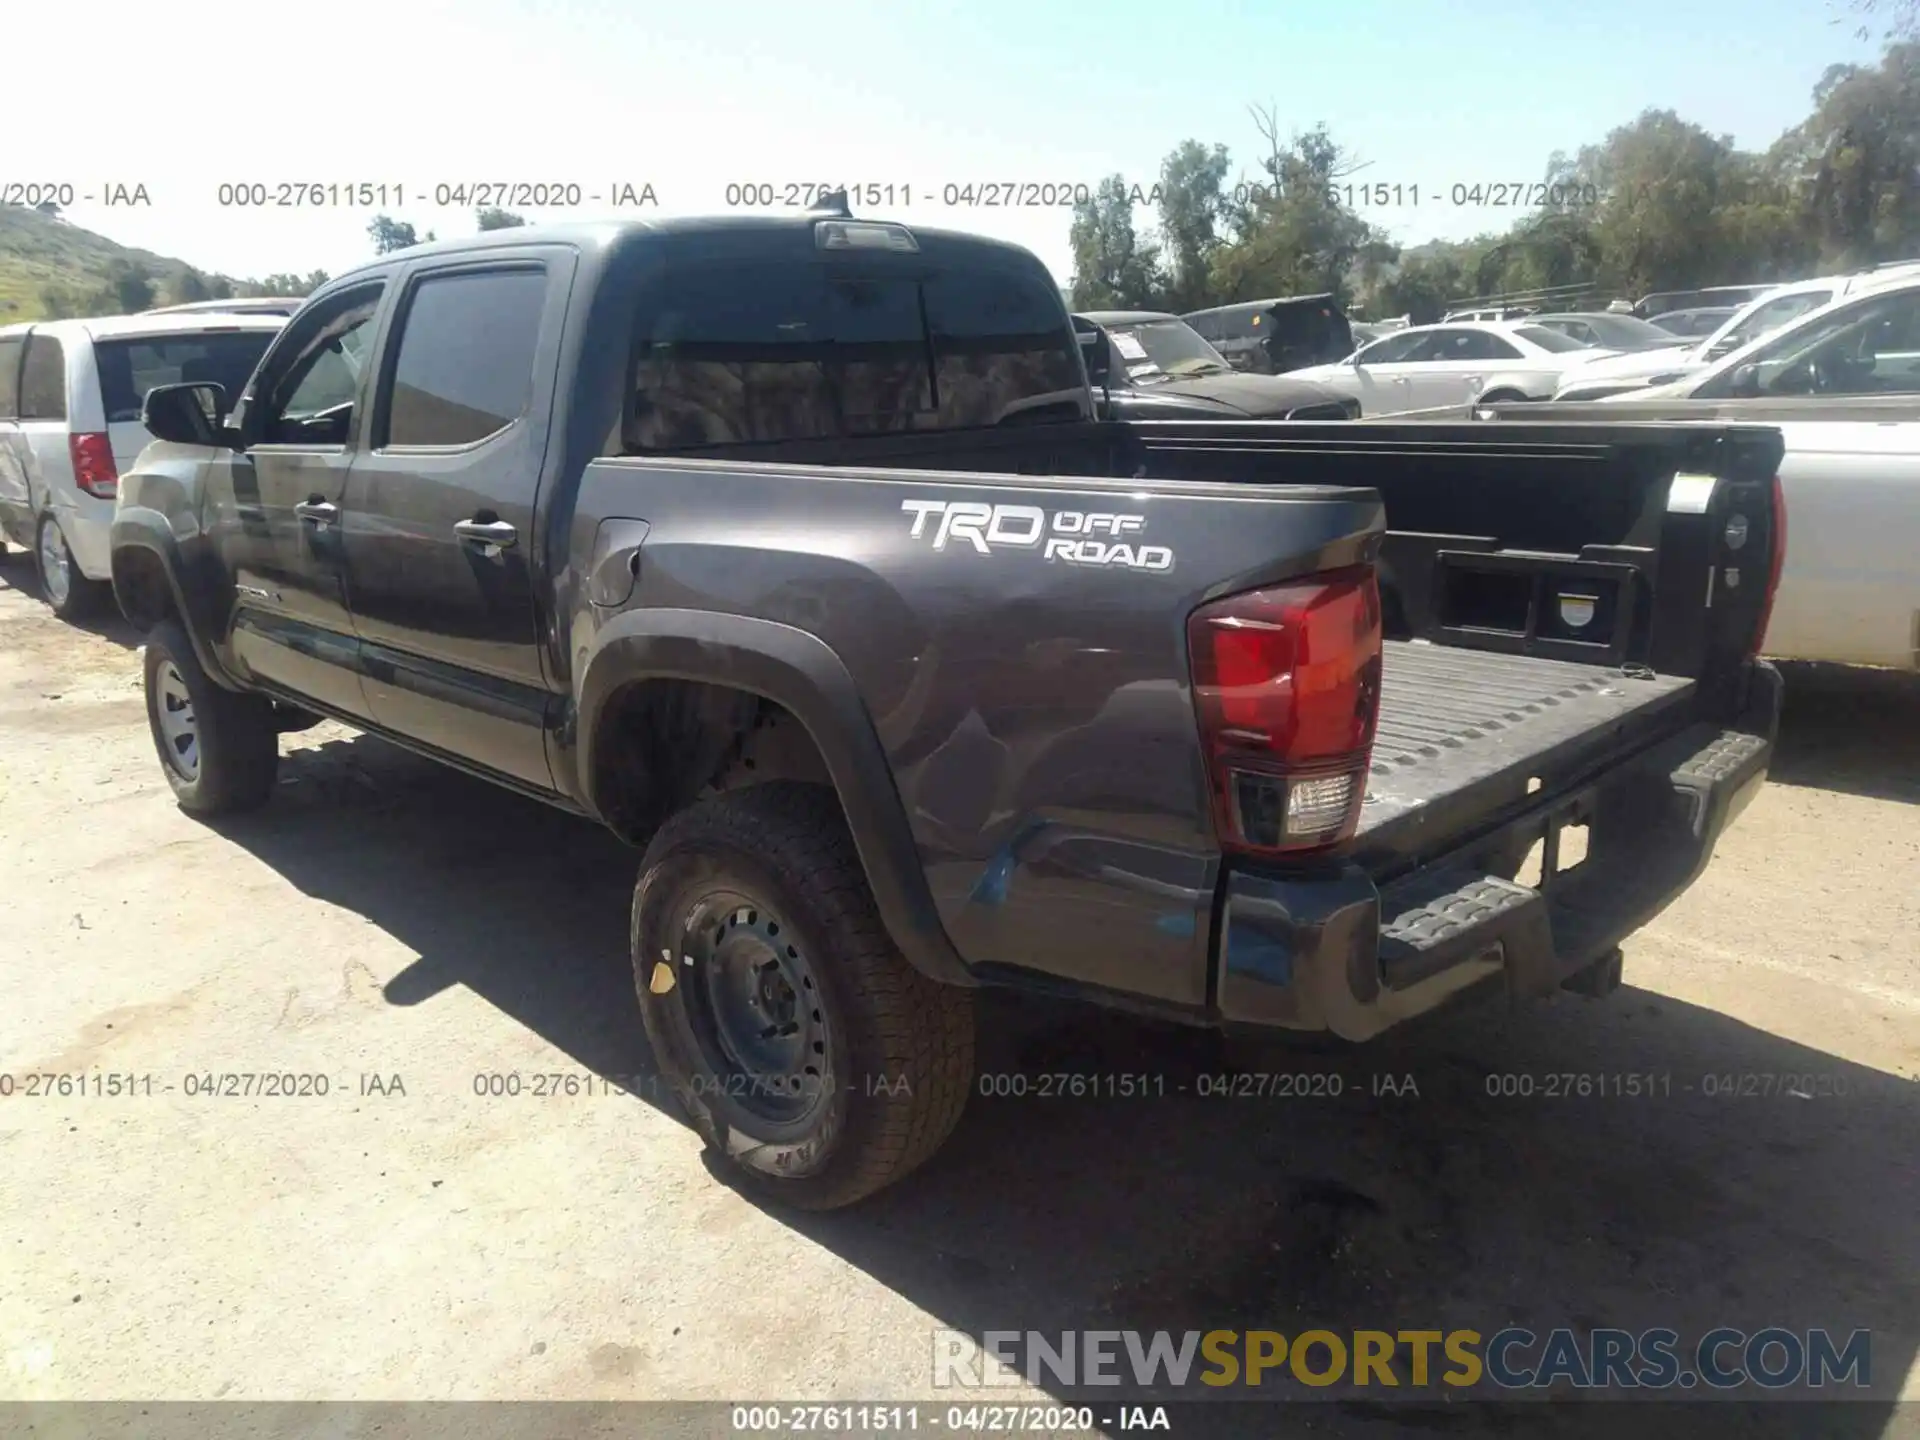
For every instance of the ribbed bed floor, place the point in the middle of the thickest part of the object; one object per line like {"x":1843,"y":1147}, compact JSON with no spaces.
{"x":1450,"y":718}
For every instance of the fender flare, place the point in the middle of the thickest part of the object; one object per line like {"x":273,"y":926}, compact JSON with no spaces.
{"x":138,"y":528}
{"x":799,"y":671}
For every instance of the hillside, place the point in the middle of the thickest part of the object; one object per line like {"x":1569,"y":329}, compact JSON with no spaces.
{"x":49,"y":268}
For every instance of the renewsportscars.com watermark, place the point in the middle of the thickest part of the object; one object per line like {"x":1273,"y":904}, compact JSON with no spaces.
{"x":1773,"y":1358}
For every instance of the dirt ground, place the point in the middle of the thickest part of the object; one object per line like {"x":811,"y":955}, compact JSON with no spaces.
{"x":414,"y":1239}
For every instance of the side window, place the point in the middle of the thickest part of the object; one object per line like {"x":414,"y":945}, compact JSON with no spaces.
{"x":465,"y":365}
{"x":1774,"y":314}
{"x":1392,"y":349}
{"x":10,"y":349}
{"x":1208,"y":327}
{"x":1482,"y":346}
{"x":1870,"y":349}
{"x":1467,"y":345}
{"x":43,"y":380}
{"x":1000,"y":349}
{"x":310,"y":397}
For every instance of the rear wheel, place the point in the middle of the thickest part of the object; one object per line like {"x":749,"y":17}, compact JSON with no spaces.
{"x":818,"y":1064}
{"x":219,"y":750}
{"x":71,"y":595}
{"x":1500,"y":397}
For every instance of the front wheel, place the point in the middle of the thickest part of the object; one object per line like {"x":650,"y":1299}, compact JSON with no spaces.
{"x":219,"y":750}
{"x":1501,"y":397}
{"x":818,"y":1064}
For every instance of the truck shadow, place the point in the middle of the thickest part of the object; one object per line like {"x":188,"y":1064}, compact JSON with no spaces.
{"x":1850,"y":728}
{"x":1444,"y":1181}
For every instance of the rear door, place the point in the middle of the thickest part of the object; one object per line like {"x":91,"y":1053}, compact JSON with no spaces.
{"x":274,"y":509}
{"x":1456,"y":366}
{"x":442,"y":554}
{"x":40,"y":433}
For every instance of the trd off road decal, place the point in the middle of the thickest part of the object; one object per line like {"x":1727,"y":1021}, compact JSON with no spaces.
{"x":1080,"y":537}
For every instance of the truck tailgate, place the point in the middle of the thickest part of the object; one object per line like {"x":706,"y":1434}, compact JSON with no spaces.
{"x":1462,"y":730}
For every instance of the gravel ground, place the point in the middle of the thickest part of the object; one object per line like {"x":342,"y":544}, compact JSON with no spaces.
{"x":402,"y":930}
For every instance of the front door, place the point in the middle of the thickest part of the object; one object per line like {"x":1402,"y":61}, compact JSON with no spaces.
{"x":442,"y":550}
{"x":274,"y":509}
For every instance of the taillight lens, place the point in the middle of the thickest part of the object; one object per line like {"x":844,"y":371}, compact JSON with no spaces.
{"x":93,"y":467}
{"x":1776,"y":562}
{"x":1286,"y":683}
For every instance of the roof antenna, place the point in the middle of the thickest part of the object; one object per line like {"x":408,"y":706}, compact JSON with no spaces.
{"x":832,"y":202}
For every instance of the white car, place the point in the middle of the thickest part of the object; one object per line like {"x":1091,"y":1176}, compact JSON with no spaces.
{"x":1759,"y":317}
{"x":1843,"y":387}
{"x":70,"y":397}
{"x":1425,"y":367}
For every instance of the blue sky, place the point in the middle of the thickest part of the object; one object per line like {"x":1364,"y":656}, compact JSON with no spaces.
{"x":691,"y":98}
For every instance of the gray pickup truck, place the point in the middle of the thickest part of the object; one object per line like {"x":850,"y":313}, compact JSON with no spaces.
{"x":792,"y":549}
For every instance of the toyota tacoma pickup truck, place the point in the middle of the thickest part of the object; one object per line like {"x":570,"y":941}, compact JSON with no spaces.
{"x":792,"y":550}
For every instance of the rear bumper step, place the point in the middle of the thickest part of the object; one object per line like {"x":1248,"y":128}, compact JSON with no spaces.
{"x":1336,"y":952}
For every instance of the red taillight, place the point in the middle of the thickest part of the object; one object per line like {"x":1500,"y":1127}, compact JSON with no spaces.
{"x":1287,"y":686}
{"x":93,"y":467}
{"x":1775,"y":563}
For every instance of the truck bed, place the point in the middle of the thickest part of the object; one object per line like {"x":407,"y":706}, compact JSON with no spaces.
{"x":1468,"y":726}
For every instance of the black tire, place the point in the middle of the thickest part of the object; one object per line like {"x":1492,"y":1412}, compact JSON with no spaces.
{"x":1502,"y":397}
{"x":236,"y":749}
{"x":71,"y":596}
{"x":893,"y":1050}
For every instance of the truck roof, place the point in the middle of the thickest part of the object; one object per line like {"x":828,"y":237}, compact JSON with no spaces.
{"x":603,"y":236}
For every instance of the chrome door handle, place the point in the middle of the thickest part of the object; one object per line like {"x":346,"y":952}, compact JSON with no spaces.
{"x":321,"y":512}
{"x":487,"y":532}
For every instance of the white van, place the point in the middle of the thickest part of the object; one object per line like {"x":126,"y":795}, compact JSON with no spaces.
{"x":70,"y":397}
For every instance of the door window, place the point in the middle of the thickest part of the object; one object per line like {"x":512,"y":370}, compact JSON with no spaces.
{"x":1393,"y":350}
{"x":10,"y":349}
{"x":310,"y":400}
{"x":465,"y":366}
{"x":1770,"y":317}
{"x":43,"y":380}
{"x":1467,"y":345}
{"x":1868,"y":349}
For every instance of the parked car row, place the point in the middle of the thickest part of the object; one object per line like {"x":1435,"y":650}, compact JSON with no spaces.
{"x":1841,"y":382}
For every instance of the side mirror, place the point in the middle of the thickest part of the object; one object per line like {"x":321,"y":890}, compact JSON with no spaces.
{"x":186,"y":414}
{"x":1095,"y":350}
{"x":1744,"y":383}
{"x":1723,"y":347}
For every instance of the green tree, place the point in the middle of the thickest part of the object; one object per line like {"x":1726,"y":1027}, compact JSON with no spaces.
{"x":389,"y":235}
{"x":1114,"y":266}
{"x":55,"y":303}
{"x":1291,"y":235}
{"x":187,"y":286}
{"x":1193,"y":210}
{"x":492,"y":217}
{"x":1854,"y":164}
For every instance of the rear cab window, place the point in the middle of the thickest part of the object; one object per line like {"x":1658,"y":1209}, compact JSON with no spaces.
{"x":132,"y":366}
{"x":789,"y":347}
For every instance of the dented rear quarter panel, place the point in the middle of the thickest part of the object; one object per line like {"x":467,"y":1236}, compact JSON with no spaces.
{"x":1034,"y":709}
